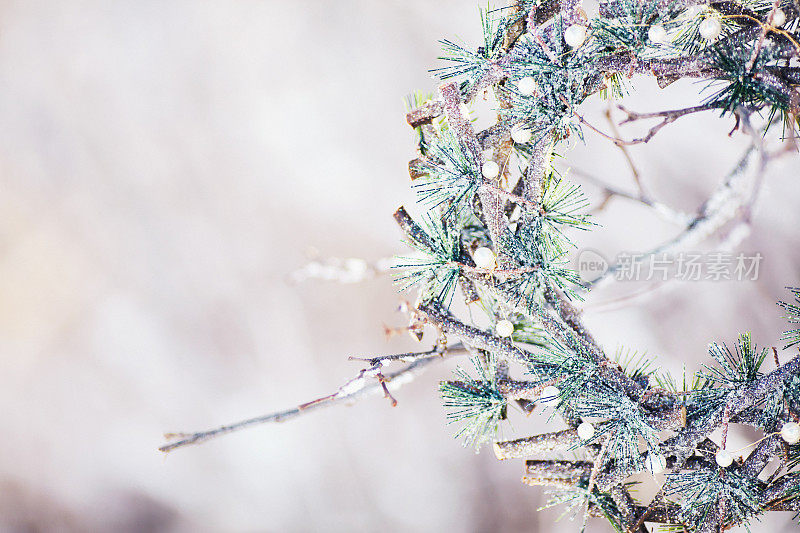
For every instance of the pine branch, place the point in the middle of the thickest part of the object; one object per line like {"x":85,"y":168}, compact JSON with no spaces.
{"x":738,"y":401}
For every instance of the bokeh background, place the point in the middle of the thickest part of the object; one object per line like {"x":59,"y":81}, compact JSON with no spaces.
{"x":166,"y":166}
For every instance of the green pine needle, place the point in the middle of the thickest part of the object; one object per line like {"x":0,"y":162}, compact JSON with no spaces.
{"x":747,"y":87}
{"x":737,"y":368}
{"x":702,"y":490}
{"x":563,"y":202}
{"x":437,"y":271}
{"x":476,"y":403}
{"x":792,"y":337}
{"x":453,"y":176}
{"x":465,"y":62}
{"x":635,"y":365}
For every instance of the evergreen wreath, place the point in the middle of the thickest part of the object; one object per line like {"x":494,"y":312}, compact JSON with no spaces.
{"x":495,"y":232}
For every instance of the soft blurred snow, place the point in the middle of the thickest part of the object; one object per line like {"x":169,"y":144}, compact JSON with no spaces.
{"x":164,"y":167}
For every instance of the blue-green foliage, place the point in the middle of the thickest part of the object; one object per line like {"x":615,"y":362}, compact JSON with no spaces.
{"x":746,"y":85}
{"x":738,"y":368}
{"x":532,"y":249}
{"x":436,"y":271}
{"x":791,"y":392}
{"x":702,"y":490}
{"x":575,"y":499}
{"x":626,"y":24}
{"x":463,"y":62}
{"x":625,"y":422}
{"x":476,"y":403}
{"x":734,"y":370}
{"x":792,"y":337}
{"x":453,"y":176}
{"x":569,"y":366}
{"x":563,"y":204}
{"x":563,"y":79}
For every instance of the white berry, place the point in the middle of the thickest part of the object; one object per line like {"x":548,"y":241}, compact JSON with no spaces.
{"x":790,"y":432}
{"x":550,"y":394}
{"x":724,"y":458}
{"x":710,"y":29}
{"x":778,"y":18}
{"x":504,"y":328}
{"x":586,"y":431}
{"x":655,"y":462}
{"x":575,"y":35}
{"x":520,"y":134}
{"x":657,"y":34}
{"x":527,"y":86}
{"x":484,"y":258}
{"x":490,"y":170}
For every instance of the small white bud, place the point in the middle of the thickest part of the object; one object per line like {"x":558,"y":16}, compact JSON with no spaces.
{"x":724,"y":458}
{"x":575,"y":35}
{"x":464,"y":110}
{"x":527,"y":86}
{"x":657,"y":34}
{"x":710,"y":28}
{"x":490,"y":170}
{"x":550,"y":394}
{"x":520,"y":134}
{"x":790,"y":432}
{"x":586,"y":431}
{"x":484,"y":258}
{"x":778,"y":18}
{"x":504,"y":328}
{"x":655,"y":462}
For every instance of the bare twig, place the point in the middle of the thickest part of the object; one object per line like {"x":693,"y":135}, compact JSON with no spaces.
{"x":667,"y":117}
{"x":667,"y":213}
{"x":732,"y":199}
{"x":626,"y":154}
{"x":354,"y":390}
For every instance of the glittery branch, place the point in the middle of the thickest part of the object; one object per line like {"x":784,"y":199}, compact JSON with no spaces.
{"x":472,"y":335}
{"x":411,"y":229}
{"x":424,"y":114}
{"x":530,"y":446}
{"x":738,"y":401}
{"x":546,"y":472}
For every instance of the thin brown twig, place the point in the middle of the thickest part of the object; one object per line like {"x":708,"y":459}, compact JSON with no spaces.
{"x":634,"y":170}
{"x":667,"y":117}
{"x":609,"y":191}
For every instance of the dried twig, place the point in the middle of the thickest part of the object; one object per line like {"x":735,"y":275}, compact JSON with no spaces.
{"x":354,"y":390}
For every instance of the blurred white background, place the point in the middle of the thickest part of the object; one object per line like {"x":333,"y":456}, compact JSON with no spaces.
{"x":164,"y":167}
